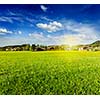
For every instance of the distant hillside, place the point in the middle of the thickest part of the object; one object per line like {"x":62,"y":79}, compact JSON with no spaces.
{"x":95,"y":44}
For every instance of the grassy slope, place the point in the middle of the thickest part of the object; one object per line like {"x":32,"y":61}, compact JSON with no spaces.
{"x":50,"y":72}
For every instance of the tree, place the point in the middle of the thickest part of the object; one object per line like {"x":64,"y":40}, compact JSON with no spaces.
{"x":33,"y":47}
{"x":26,"y":47}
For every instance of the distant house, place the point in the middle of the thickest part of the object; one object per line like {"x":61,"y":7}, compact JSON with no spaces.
{"x":85,"y":48}
{"x":81,"y":49}
{"x":7,"y":49}
{"x":40,"y":49}
{"x":51,"y":48}
{"x":68,"y":49}
{"x":96,"y":49}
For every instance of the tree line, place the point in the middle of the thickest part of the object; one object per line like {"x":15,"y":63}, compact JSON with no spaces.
{"x":33,"y":47}
{"x":95,"y":46}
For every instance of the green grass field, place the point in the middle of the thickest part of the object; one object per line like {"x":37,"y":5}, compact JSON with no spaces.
{"x":50,"y":72}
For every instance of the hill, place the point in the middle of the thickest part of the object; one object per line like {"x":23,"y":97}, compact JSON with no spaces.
{"x":95,"y":44}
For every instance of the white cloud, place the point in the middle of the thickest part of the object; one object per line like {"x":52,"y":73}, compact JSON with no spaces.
{"x":51,"y":27}
{"x":4,"y":41}
{"x":45,"y":18}
{"x":11,"y":13}
{"x":6,"y":19}
{"x":78,"y":33}
{"x":74,"y":33}
{"x":30,"y":19}
{"x":4,"y":31}
{"x":19,"y":32}
{"x":43,"y":8}
{"x":37,"y":37}
{"x":76,"y":39}
{"x":80,"y":28}
{"x":11,"y":19}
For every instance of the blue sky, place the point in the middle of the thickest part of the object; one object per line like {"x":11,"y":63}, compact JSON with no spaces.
{"x":70,"y":24}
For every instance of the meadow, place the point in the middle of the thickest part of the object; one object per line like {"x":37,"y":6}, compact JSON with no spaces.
{"x":50,"y":72}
